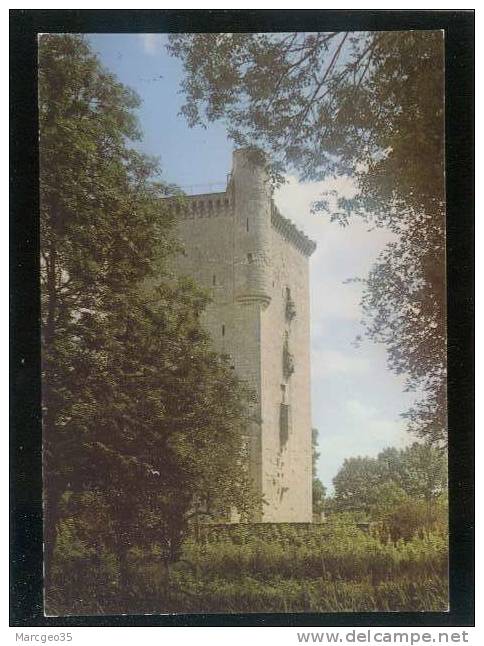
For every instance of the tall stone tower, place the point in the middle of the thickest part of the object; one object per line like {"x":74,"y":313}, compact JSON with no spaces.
{"x":256,"y":264}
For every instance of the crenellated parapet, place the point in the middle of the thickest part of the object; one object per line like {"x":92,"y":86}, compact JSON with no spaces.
{"x":291,"y":233}
{"x":223,"y":204}
{"x":206,"y":205}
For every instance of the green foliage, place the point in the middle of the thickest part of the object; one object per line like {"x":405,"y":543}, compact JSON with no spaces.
{"x":337,"y":551}
{"x":319,"y":490}
{"x":326,"y":102}
{"x":409,"y":517}
{"x":369,"y":105}
{"x":140,"y":416}
{"x":355,"y":483}
{"x":332,"y":567}
{"x":385,"y":498}
{"x":370,"y":485}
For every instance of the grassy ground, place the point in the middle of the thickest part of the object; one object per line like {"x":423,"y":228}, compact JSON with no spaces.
{"x":327,"y":568}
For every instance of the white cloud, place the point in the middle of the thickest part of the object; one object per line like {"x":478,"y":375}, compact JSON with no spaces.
{"x":365,"y":432}
{"x":341,"y":253}
{"x":358,"y":411}
{"x":151,"y":43}
{"x":327,"y":362}
{"x":331,"y":298}
{"x":356,"y":400}
{"x":295,"y":199}
{"x":370,"y":431}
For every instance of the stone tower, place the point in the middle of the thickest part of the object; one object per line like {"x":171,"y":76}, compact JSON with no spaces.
{"x":256,"y":264}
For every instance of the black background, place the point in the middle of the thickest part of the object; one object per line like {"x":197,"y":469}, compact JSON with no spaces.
{"x":26,"y":607}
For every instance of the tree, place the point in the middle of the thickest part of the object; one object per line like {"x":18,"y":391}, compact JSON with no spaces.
{"x":139,"y":414}
{"x":398,"y":515}
{"x":355,"y":484}
{"x":418,"y":472}
{"x":367,"y":105}
{"x":84,"y":117}
{"x":424,"y":472}
{"x":319,"y":490}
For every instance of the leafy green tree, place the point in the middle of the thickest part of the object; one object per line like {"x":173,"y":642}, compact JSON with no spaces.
{"x":424,"y":471}
{"x":387,"y":497}
{"x":400,"y":516}
{"x":355,"y":484}
{"x":418,"y":472}
{"x":84,"y":119}
{"x":367,"y":105}
{"x":138,"y":411}
{"x":319,"y":490}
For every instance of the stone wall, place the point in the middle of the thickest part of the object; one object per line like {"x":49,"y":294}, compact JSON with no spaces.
{"x":253,"y":260}
{"x":287,"y":465}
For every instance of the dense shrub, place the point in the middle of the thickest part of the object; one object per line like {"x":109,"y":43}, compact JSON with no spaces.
{"x":340,"y":554}
{"x":414,"y":518}
{"x":261,"y":568}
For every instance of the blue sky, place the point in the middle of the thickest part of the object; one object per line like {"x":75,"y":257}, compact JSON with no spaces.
{"x":357,"y":401}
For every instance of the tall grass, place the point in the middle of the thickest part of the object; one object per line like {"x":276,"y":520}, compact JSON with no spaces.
{"x":332,"y":568}
{"x":333,"y":554}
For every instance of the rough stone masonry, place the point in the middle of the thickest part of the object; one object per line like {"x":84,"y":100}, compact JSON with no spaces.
{"x":256,"y":264}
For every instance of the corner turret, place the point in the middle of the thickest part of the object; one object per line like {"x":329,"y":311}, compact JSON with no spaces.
{"x":251,"y":194}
